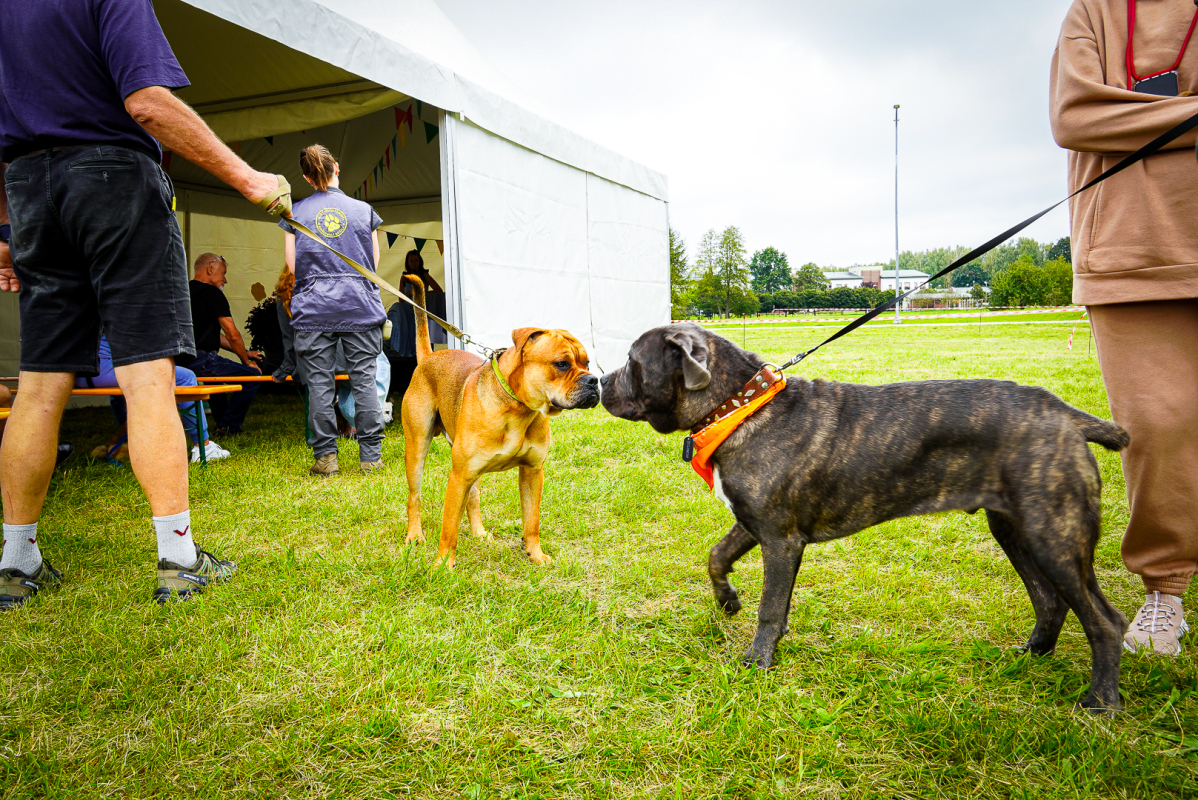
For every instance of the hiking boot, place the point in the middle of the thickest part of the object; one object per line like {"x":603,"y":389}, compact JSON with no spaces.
{"x":325,"y":465}
{"x":16,"y":587}
{"x":371,"y":466}
{"x":1159,"y":625}
{"x":187,"y":582}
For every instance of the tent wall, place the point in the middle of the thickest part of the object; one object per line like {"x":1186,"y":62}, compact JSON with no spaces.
{"x":540,"y":243}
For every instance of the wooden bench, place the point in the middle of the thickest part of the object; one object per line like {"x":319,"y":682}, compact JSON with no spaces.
{"x":187,"y":393}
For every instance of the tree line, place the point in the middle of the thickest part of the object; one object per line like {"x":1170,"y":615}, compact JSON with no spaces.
{"x":724,"y":280}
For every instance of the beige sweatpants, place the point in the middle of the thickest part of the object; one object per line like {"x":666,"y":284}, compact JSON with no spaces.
{"x":1149,"y":358}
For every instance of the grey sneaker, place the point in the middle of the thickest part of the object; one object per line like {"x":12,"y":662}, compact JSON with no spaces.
{"x":371,"y":466}
{"x":16,"y":587}
{"x":1159,"y":625}
{"x":325,"y":465}
{"x":186,"y":582}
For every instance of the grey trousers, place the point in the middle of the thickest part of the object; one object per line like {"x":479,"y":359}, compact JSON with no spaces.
{"x":317,"y":351}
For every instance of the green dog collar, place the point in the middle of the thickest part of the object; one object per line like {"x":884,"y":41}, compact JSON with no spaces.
{"x":502,"y":380}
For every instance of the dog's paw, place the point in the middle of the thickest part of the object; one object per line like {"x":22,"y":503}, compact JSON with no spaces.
{"x":728,"y":601}
{"x":413,"y":538}
{"x":539,"y":558}
{"x":752,"y":658}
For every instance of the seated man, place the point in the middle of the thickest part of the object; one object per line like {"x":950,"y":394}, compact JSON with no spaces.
{"x":214,"y":329}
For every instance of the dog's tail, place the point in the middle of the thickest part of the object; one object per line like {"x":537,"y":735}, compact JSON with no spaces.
{"x":424,"y":346}
{"x":1110,"y":435}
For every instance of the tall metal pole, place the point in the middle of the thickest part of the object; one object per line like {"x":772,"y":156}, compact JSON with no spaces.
{"x":896,"y":238}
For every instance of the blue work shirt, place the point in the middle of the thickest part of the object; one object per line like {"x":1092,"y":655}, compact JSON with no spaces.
{"x":66,"y":67}
{"x":329,"y":295}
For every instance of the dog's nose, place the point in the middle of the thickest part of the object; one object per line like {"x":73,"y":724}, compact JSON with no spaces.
{"x":590,"y":380}
{"x":605,"y":378}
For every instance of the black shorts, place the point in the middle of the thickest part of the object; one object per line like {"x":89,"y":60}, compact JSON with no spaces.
{"x":95,"y":243}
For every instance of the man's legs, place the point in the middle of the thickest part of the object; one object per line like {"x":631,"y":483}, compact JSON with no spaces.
{"x":27,"y":460}
{"x":30,"y":444}
{"x":157,"y":449}
{"x":1149,"y":358}
{"x":216,"y":366}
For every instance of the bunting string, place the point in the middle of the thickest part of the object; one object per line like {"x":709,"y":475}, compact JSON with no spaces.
{"x":405,"y":123}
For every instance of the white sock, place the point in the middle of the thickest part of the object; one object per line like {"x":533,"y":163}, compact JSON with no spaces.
{"x":20,"y":548}
{"x":174,"y":539}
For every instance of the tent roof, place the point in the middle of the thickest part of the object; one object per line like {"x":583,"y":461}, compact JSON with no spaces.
{"x":269,"y":67}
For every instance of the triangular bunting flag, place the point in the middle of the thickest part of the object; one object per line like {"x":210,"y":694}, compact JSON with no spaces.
{"x":387,"y":155}
{"x":403,"y":137}
{"x":441,"y":246}
{"x":391,"y":237}
{"x":430,"y":132}
{"x":270,"y":140}
{"x":393,"y":151}
{"x":166,"y":160}
{"x":419,"y":244}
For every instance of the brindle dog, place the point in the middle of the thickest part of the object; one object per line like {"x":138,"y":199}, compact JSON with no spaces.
{"x":822,"y":461}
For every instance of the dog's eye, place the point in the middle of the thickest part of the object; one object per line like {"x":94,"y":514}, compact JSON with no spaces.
{"x":562,"y":365}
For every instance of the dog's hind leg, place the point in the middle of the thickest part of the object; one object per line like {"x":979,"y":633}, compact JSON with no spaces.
{"x":1061,"y":536}
{"x":532,"y":481}
{"x":724,"y":554}
{"x":474,"y":512}
{"x":1050,"y":608}
{"x":781,"y":555}
{"x":418,"y":431}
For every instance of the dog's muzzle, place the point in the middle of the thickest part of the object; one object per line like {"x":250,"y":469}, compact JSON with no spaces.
{"x":587,"y":393}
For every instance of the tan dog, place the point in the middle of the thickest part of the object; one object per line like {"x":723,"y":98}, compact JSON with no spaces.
{"x":489,"y":428}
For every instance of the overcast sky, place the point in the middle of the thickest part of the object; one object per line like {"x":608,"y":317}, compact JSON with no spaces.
{"x":776,"y":115}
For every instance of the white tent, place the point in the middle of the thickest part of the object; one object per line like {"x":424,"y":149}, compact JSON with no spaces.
{"x":522,"y":221}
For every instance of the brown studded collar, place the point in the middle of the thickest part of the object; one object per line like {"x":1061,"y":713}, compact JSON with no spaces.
{"x":763,"y":380}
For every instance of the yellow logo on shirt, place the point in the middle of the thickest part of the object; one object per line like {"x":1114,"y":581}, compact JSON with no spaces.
{"x":331,"y":222}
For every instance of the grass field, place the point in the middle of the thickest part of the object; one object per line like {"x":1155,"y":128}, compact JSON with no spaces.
{"x":341,"y":664}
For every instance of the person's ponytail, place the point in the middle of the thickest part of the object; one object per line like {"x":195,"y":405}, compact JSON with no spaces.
{"x":317,"y":164}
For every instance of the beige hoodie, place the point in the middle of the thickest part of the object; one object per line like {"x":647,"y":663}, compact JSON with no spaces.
{"x":1135,"y":236}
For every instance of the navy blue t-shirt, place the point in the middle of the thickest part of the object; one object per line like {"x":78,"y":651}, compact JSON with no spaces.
{"x":66,"y":67}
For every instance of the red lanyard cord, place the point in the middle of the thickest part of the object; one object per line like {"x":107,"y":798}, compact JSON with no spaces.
{"x":1132,"y":77}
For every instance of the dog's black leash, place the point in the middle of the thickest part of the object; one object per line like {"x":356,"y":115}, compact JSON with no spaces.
{"x":1142,"y":153}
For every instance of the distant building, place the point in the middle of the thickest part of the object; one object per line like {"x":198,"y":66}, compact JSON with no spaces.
{"x":908,"y":279}
{"x":871,"y":275}
{"x":847,"y":279}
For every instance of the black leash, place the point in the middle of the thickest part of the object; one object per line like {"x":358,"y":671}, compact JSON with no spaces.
{"x":1145,"y":151}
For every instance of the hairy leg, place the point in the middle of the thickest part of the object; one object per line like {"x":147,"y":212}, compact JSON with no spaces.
{"x":30,"y":445}
{"x":157,"y":446}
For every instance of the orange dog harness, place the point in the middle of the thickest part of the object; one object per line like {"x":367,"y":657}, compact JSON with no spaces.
{"x":699,"y":447}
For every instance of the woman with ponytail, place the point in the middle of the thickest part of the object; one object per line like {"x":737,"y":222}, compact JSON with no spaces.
{"x":332,"y":304}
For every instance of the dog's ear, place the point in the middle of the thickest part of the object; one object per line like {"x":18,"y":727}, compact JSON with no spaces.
{"x":522,"y":336}
{"x":694,"y":358}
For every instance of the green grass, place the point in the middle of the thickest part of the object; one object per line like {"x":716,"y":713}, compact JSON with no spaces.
{"x":341,"y":664}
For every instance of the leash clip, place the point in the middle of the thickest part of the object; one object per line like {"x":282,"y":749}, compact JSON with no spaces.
{"x":792,"y":362}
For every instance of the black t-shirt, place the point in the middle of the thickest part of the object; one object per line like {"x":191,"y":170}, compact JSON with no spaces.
{"x":208,"y":304}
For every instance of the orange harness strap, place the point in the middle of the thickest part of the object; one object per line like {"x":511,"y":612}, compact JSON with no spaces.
{"x":764,"y":387}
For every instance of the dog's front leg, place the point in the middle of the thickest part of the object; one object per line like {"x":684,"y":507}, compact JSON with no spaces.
{"x":781,"y":556}
{"x":460,"y":483}
{"x":723,"y":555}
{"x":532,"y":479}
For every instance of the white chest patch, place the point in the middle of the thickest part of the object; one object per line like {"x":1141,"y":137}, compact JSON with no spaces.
{"x":718,"y":486}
